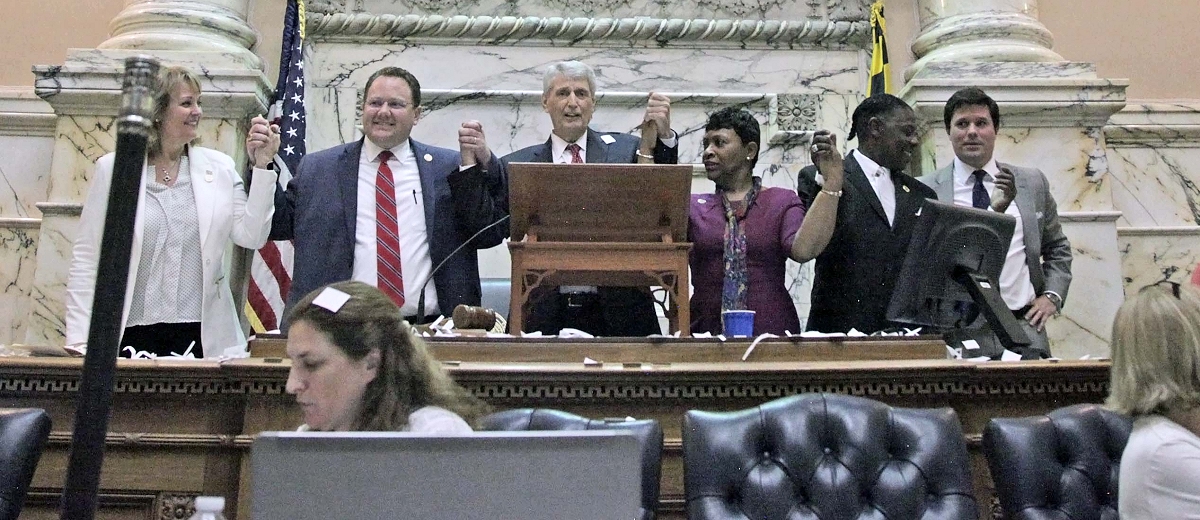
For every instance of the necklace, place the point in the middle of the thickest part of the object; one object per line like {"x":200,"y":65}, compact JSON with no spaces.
{"x":166,"y":171}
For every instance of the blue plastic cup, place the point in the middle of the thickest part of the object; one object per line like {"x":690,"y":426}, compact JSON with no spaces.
{"x":738,"y":324}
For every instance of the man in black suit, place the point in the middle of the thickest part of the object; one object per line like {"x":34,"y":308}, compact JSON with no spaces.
{"x":856,"y":273}
{"x":568,"y":96}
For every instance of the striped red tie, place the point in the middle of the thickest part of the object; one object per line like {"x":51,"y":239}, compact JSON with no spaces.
{"x":387,"y":239}
{"x":575,"y":157}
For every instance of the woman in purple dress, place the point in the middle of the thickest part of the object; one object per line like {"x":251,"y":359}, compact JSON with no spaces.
{"x":743,"y":234}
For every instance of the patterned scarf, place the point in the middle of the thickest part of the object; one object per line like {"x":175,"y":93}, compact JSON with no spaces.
{"x":737,"y":277}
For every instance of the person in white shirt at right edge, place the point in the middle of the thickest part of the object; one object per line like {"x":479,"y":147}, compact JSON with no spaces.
{"x":1156,"y":379}
{"x":1037,"y":269}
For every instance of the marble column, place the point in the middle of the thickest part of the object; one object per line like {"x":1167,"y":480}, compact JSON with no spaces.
{"x":980,"y":31}
{"x":211,"y":38}
{"x":1053,"y":113}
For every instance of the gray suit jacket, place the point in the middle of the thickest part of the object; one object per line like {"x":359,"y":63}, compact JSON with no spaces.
{"x":1047,"y":250}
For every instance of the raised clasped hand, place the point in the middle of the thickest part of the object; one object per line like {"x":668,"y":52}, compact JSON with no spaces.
{"x":262,"y":141}
{"x":472,"y":145}
{"x":825,"y":155}
{"x":658,"y":111}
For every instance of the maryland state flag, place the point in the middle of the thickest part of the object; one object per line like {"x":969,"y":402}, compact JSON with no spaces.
{"x":880,"y":71}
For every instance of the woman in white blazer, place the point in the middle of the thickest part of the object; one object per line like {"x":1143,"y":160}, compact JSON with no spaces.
{"x":193,"y":207}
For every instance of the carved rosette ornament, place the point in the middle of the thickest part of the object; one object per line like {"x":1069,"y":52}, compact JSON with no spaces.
{"x":175,"y":507}
{"x":797,"y":112}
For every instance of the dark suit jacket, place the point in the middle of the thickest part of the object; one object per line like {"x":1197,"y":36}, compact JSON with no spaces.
{"x":856,"y":273}
{"x":627,"y":311}
{"x":319,"y":209}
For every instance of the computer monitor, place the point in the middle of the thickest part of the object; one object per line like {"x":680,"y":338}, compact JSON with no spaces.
{"x":588,"y":475}
{"x":951,"y":272}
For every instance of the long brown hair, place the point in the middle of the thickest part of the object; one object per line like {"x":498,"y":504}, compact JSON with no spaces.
{"x":409,"y":377}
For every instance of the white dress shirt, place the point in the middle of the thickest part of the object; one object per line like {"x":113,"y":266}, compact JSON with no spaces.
{"x":881,"y":182}
{"x":415,"y":263}
{"x":1015,"y":285}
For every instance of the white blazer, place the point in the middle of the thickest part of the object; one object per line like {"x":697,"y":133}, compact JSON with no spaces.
{"x":226,"y":214}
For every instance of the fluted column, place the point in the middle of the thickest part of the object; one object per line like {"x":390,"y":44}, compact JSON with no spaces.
{"x":209,"y":37}
{"x":980,"y":30}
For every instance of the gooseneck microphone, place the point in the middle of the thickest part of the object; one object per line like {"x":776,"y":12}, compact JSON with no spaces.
{"x":421,"y":299}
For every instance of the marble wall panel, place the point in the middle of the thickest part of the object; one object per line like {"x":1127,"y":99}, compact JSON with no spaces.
{"x":1085,"y":323}
{"x":18,"y":248}
{"x":1151,"y":255}
{"x":1156,"y":186}
{"x":24,"y":173}
{"x":47,"y":323}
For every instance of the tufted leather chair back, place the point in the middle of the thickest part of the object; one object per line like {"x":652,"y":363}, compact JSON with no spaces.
{"x":23,"y":434}
{"x":1064,"y":464}
{"x":827,"y":457}
{"x":649,"y":435}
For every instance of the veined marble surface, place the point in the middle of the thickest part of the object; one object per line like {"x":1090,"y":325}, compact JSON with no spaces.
{"x":47,"y":317}
{"x":18,"y":246}
{"x":24,"y":173}
{"x":1154,"y":158}
{"x":1156,"y":254}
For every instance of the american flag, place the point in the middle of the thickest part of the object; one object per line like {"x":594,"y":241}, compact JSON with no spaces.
{"x":271,"y":269}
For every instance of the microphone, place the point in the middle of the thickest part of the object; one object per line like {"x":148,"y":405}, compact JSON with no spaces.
{"x":421,"y":299}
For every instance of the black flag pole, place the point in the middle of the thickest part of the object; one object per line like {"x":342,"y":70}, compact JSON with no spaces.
{"x":108,"y":302}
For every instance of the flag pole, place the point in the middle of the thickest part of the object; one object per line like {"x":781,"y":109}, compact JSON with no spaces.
{"x":100,"y":363}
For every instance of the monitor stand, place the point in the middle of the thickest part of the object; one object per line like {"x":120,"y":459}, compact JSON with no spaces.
{"x":999,"y":318}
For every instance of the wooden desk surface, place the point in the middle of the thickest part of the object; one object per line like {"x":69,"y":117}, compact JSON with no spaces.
{"x":179,"y":428}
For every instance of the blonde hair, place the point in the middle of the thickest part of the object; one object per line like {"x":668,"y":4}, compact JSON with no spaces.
{"x":168,"y":78}
{"x":409,"y":377}
{"x":1156,"y":351}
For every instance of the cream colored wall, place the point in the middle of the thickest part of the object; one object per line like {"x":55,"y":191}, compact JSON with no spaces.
{"x":1149,"y":42}
{"x":40,"y":32}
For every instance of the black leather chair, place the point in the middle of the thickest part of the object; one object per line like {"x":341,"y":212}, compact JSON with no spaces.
{"x":23,"y":434}
{"x":648,"y":432}
{"x":1064,"y":464}
{"x":826,"y":456}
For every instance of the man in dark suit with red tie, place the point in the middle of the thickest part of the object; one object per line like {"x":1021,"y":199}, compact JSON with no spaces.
{"x":382,"y":209}
{"x":856,"y":274}
{"x":568,"y":97}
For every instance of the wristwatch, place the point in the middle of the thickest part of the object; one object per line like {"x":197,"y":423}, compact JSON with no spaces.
{"x":1054,"y":298}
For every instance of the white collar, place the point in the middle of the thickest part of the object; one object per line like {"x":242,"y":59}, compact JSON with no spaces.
{"x":869,"y":167}
{"x":963,"y":172}
{"x":558,"y":145}
{"x":371,"y":150}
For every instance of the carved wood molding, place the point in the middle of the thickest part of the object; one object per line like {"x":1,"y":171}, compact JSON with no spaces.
{"x":591,"y":32}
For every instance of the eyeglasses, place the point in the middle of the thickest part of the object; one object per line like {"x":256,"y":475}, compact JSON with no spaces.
{"x":1173,"y":285}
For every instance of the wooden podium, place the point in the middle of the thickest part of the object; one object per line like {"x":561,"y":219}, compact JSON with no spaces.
{"x":600,"y":224}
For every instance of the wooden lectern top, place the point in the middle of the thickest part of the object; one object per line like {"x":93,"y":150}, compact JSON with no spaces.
{"x":599,"y":202}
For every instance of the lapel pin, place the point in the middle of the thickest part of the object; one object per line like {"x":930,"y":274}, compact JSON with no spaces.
{"x":608,"y":139}
{"x":208,"y":176}
{"x":428,"y":158}
{"x":700,"y":201}
{"x":906,"y":190}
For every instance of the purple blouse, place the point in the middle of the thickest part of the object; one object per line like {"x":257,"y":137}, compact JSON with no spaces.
{"x":770,"y":226}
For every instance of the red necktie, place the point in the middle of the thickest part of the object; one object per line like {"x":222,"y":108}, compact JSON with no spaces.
{"x":387,"y":239}
{"x":574,"y":149}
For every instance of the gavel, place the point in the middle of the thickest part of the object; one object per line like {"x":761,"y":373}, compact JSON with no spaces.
{"x":471,"y":317}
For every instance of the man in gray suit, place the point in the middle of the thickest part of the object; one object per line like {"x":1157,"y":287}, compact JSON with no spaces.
{"x":1037,"y":270}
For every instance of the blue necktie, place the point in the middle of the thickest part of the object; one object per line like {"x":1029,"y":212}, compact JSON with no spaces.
{"x":979,"y":196}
